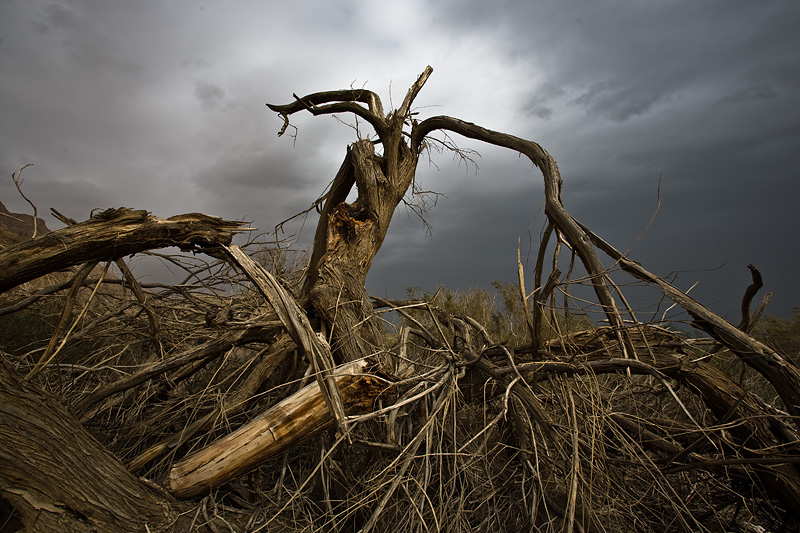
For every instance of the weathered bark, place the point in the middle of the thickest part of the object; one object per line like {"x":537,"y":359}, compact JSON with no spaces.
{"x":353,"y":236}
{"x":59,"y":478}
{"x":349,"y":236}
{"x":109,"y":235}
{"x":279,"y":429}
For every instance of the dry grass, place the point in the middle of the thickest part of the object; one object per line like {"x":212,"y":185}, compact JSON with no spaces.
{"x":508,"y":441}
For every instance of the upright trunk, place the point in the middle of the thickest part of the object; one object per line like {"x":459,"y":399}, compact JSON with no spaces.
{"x":348,"y":238}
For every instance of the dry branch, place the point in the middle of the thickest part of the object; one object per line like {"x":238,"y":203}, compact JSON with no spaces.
{"x":205,"y":352}
{"x":109,"y":235}
{"x":296,"y":322}
{"x":236,"y":402}
{"x":281,"y":428}
{"x":782,"y":373}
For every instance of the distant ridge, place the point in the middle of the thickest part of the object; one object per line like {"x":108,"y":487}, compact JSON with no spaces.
{"x":18,"y":227}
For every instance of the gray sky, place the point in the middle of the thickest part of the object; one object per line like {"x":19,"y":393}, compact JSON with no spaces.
{"x":159,"y":105}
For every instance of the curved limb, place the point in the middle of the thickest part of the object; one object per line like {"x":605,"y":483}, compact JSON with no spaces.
{"x":554,"y":209}
{"x":344,"y":101}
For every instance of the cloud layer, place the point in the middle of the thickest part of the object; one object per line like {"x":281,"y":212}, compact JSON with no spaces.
{"x":160,"y":105}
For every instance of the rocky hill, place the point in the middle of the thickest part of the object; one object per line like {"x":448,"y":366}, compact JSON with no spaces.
{"x":17,"y":227}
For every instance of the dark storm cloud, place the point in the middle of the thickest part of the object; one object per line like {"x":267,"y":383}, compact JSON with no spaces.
{"x":540,"y":104}
{"x":621,"y":60}
{"x":753,"y":92}
{"x":210,"y":95}
{"x":254,"y":182}
{"x":160,"y":105}
{"x":778,"y":70}
{"x":55,"y":16}
{"x":619,"y":100}
{"x":703,"y":95}
{"x":475,"y":227}
{"x":768,"y":80}
{"x":196,"y":63}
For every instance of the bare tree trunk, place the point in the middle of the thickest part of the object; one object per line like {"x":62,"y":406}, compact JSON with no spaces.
{"x":353,"y":235}
{"x":349,"y":236}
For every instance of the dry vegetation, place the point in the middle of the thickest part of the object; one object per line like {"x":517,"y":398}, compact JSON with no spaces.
{"x":515,"y":440}
{"x":503,"y":411}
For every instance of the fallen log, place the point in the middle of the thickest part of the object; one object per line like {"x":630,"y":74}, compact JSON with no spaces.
{"x":109,"y":235}
{"x":282,"y":427}
{"x":60,"y":478}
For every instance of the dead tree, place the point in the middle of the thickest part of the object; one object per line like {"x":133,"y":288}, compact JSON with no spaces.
{"x":349,"y":236}
{"x":355,"y":368}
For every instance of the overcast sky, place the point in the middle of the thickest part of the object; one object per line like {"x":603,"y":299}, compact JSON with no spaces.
{"x":160,"y":105}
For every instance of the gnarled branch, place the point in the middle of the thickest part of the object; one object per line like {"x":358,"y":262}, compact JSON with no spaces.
{"x":554,"y":209}
{"x":344,"y":101}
